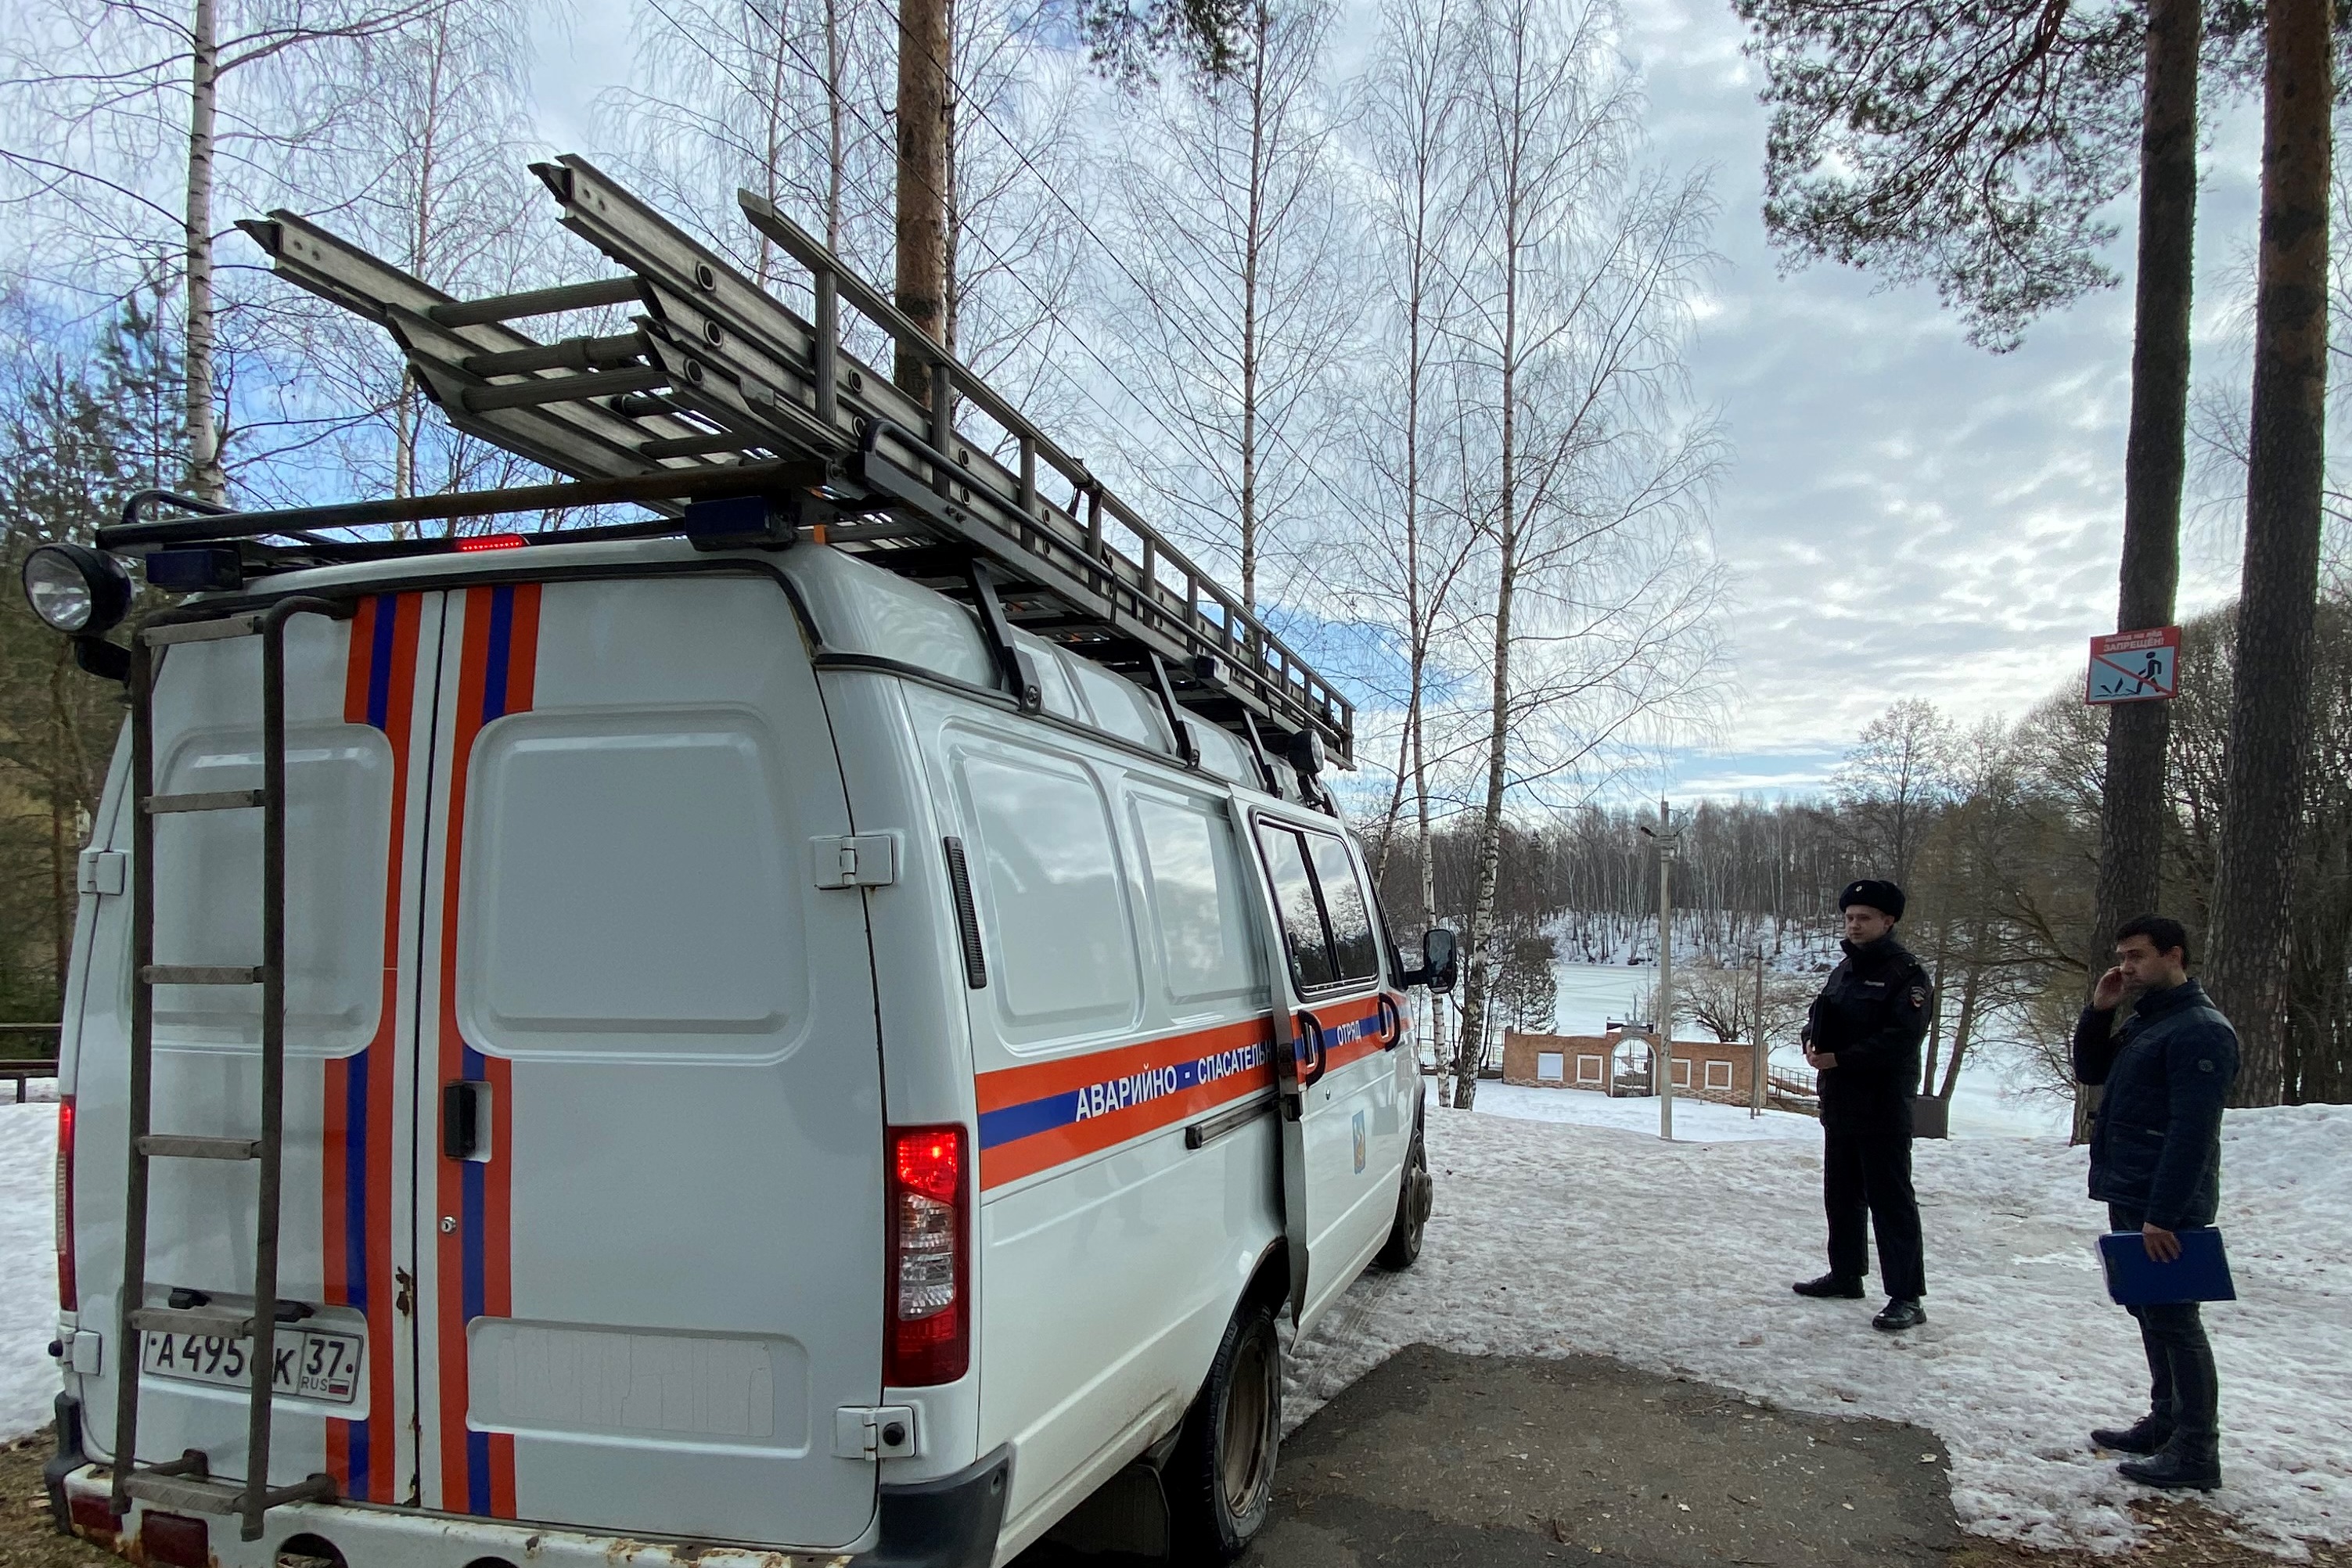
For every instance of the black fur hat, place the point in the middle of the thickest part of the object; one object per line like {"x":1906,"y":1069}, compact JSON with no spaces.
{"x":1884,"y":897}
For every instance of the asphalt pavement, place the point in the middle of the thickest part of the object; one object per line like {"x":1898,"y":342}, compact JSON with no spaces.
{"x":1505,"y":1462}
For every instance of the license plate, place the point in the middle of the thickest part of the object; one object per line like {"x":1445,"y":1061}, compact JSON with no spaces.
{"x":311,"y":1363}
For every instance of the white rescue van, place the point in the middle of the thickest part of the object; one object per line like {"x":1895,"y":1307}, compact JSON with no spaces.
{"x":711,"y":1039}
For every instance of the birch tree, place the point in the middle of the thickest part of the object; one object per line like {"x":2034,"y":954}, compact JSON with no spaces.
{"x":1598,"y":590}
{"x":1415,"y":548}
{"x":435,"y":159}
{"x":789,"y":101}
{"x":126,"y":125}
{"x":1230,"y":305}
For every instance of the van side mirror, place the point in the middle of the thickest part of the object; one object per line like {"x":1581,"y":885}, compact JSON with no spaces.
{"x":1439,"y":955}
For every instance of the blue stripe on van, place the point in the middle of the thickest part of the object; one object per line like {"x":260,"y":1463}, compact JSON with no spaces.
{"x":355,"y":1230}
{"x":1069,"y":1107}
{"x":387,"y":625}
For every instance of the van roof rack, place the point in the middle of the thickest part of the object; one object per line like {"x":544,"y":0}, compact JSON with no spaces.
{"x":737,"y":421}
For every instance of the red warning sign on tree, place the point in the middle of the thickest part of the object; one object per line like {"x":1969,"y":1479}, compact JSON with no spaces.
{"x":2135,"y":667}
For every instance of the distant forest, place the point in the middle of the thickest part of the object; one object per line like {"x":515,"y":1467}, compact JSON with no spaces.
{"x":1993,"y":834}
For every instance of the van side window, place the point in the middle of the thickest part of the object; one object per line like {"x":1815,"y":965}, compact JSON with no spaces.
{"x":1054,"y":918}
{"x":1195,"y":875}
{"x":1354,"y":952}
{"x":1294,"y":900}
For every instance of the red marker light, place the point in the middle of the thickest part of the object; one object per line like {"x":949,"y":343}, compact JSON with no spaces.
{"x":67,"y":1294}
{"x":469,"y":542}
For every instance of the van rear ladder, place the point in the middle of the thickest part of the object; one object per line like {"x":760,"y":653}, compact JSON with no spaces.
{"x":187,"y":1482}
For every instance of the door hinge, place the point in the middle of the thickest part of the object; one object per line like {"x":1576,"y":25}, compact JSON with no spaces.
{"x":102,"y":871}
{"x":80,"y":1350}
{"x":856,"y":860}
{"x":874,"y":1432}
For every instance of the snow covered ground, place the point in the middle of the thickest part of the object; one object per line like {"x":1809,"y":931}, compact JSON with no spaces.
{"x":1696,"y":1121}
{"x":1558,"y":1239}
{"x":28,"y":1263}
{"x":1550,"y":1238}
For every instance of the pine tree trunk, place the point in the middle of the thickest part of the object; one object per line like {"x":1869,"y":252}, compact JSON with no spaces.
{"x":206,"y":480}
{"x":2131,"y":819}
{"x":921,"y":276}
{"x":2270,"y":702}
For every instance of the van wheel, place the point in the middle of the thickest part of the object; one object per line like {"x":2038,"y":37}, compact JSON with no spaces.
{"x":1220,"y":1480}
{"x":1414,"y":1193}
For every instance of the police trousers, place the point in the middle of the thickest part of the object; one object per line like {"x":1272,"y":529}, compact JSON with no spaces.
{"x":1866,"y":1186}
{"x":2184,"y":1391}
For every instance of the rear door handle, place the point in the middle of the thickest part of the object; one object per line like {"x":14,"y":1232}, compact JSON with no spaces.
{"x":466,"y":1119}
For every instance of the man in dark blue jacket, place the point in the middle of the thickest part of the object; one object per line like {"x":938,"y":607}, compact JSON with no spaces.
{"x":2156,"y":1162}
{"x":1862,"y":1038}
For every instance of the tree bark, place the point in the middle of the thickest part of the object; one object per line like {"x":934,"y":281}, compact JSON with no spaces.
{"x":1253,"y":252}
{"x":2131,"y":810}
{"x":921,"y":276}
{"x":835,"y":148}
{"x":2270,"y":700}
{"x":206,"y":478}
{"x":1476,"y":986}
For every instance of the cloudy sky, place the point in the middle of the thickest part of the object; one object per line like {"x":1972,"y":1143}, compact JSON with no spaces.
{"x":1905,"y":515}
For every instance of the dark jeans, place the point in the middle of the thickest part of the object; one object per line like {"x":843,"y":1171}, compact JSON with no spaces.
{"x":1866,"y":1177}
{"x":2183,"y":1387}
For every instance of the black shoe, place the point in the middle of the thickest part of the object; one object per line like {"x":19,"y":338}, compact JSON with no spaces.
{"x":2174,"y":1471}
{"x":1899,"y":1314}
{"x":1839,"y":1287}
{"x":2148,"y":1434}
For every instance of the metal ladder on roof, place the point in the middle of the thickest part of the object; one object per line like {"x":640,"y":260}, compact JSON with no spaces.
{"x":187,"y":1482}
{"x":715,"y":375}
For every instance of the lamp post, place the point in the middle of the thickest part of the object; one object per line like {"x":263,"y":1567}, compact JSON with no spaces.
{"x":1763,"y":1052}
{"x":1662,"y":1059}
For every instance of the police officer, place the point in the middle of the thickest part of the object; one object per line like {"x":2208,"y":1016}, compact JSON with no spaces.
{"x":1862,"y":1038}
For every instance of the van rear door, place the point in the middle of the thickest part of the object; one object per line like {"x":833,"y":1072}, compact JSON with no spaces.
{"x":650,"y":1201}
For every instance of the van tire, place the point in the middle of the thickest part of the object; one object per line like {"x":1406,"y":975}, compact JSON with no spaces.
{"x":1220,"y":1480}
{"x":1415,"y":1192}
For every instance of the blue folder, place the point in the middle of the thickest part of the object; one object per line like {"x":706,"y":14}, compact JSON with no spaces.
{"x":2202,"y":1272}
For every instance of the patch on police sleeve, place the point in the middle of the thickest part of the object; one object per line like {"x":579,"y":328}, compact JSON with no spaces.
{"x":1919,"y":995}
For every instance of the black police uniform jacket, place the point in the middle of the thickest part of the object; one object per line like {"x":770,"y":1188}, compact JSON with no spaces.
{"x":1873,"y":1016}
{"x":2156,"y":1142}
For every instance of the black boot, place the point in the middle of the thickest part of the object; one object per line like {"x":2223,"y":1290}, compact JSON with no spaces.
{"x":1899,"y":1314}
{"x":1841,"y":1287}
{"x":2175,"y":1469}
{"x":2148,"y":1434}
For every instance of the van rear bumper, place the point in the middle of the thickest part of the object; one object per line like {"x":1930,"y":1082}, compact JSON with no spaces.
{"x":952,"y":1522}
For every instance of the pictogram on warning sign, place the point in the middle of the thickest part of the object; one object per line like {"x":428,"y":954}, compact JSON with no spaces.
{"x":2135,"y":667}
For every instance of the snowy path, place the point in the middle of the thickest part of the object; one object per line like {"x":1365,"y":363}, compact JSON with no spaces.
{"x":1556,"y":1238}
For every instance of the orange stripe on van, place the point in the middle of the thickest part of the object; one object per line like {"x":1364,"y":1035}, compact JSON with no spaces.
{"x":1017,"y":1085}
{"x":497,"y":675}
{"x":1046,"y":1114}
{"x":356,"y":1155}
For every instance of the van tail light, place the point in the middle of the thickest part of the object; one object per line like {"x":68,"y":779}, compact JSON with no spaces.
{"x":67,"y":1294}
{"x":928,"y":1327}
